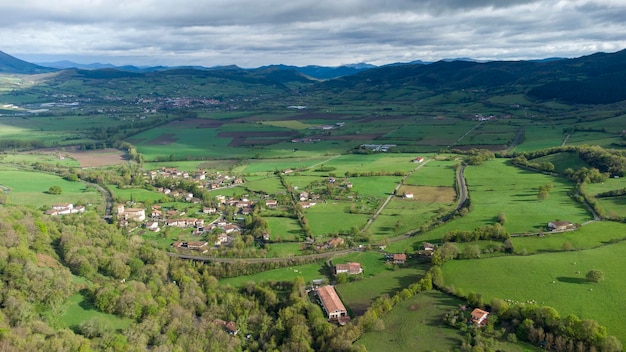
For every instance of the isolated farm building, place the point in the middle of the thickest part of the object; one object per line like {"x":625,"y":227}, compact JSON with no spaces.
{"x":350,"y":268}
{"x":332,"y":304}
{"x":399,"y":258}
{"x":408,"y":195}
{"x":479,"y":317}
{"x":335,"y":242}
{"x":419,"y":159}
{"x":307,"y":205}
{"x":65,"y":208}
{"x":560,"y":225}
{"x":429,"y":248}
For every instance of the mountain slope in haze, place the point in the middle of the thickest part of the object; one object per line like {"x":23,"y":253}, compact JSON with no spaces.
{"x":593,"y":79}
{"x":10,"y":64}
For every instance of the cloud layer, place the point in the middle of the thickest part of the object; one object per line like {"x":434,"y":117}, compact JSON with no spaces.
{"x":251,"y":33}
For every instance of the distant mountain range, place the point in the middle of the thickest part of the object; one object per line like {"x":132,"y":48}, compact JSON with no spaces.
{"x":594,"y":79}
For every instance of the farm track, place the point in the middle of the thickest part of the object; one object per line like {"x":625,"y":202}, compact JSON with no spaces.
{"x":517,"y":140}
{"x":260,"y":260}
{"x":390,"y":197}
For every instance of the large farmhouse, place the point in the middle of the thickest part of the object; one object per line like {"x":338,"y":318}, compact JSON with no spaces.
{"x":349,"y":268}
{"x":332,"y":304}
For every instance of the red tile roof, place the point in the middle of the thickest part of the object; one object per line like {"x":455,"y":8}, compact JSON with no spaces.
{"x":330,"y":300}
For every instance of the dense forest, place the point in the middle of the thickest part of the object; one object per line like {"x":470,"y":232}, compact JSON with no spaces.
{"x":171,"y":304}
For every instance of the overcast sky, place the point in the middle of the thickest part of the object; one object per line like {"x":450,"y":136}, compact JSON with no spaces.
{"x":251,"y":33}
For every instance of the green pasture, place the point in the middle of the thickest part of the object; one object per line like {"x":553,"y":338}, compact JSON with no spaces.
{"x":283,"y":250}
{"x":78,"y":309}
{"x":359,"y":295}
{"x":260,"y":166}
{"x":307,"y":271}
{"x":614,"y":125}
{"x":434,"y":173}
{"x":254,"y":127}
{"x":602,"y":139}
{"x":30,"y":188}
{"x":592,"y":235}
{"x":435,"y":134}
{"x":301,"y":182}
{"x":290,"y":124}
{"x":284,"y":229}
{"x":329,"y":218}
{"x":496,"y":187}
{"x":49,"y":158}
{"x":562,"y":161}
{"x":416,"y":325}
{"x":614,"y":206}
{"x":186,"y":142}
{"x":162,"y":239}
{"x":136,"y":194}
{"x":379,"y":162}
{"x":264,"y":184}
{"x":511,"y":99}
{"x":374,"y":186}
{"x":489,"y":133}
{"x":541,"y":136}
{"x":405,"y":215}
{"x":552,"y":279}
{"x":610,"y":184}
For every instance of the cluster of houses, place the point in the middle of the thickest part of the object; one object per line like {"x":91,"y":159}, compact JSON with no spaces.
{"x":65,"y":208}
{"x":159,"y":217}
{"x":200,"y":177}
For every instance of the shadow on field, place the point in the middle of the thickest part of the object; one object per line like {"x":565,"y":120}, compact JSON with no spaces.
{"x":572,"y":280}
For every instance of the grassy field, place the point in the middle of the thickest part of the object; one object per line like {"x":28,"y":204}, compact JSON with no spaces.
{"x":417,"y":325}
{"x":307,"y":271}
{"x":264,"y":184}
{"x":78,"y":310}
{"x":379,"y":277}
{"x":496,"y":187}
{"x":590,"y":236}
{"x":284,"y":229}
{"x":562,"y":161}
{"x":553,"y":279}
{"x":332,"y":218}
{"x":434,"y":173}
{"x":136,"y":194}
{"x":540,"y":136}
{"x":30,"y":188}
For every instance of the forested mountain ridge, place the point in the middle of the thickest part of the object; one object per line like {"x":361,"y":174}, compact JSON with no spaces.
{"x":592,"y":79}
{"x":10,"y":64}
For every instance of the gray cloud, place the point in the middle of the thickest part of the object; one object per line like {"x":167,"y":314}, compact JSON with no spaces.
{"x":325,"y":32}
